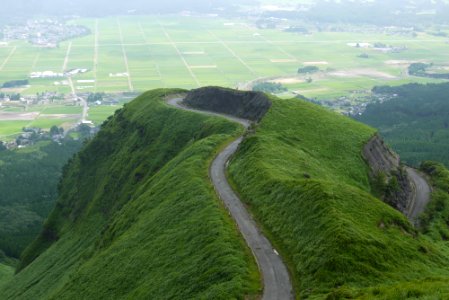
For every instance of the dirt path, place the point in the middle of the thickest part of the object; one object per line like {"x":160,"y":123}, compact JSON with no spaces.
{"x":277,"y":284}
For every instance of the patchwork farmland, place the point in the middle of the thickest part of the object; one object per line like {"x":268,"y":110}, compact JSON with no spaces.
{"x":139,"y":53}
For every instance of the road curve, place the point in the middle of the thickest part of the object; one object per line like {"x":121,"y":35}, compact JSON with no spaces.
{"x":421,"y":195}
{"x":276,"y":280}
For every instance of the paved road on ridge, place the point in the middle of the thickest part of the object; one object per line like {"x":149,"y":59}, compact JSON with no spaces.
{"x":421,"y":195}
{"x":277,"y":284}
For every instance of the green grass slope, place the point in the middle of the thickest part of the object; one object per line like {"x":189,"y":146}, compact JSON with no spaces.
{"x":303,"y":177}
{"x":137,"y":217}
{"x":6,"y":273}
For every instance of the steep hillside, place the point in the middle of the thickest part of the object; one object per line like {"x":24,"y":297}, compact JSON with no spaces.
{"x":303,"y":176}
{"x":137,"y":217}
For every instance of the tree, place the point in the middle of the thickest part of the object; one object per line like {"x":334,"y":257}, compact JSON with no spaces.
{"x":308,"y":70}
{"x":54,"y":130}
{"x":84,"y":130}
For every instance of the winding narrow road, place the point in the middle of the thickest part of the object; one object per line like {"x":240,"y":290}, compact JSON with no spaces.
{"x":421,"y":195}
{"x":277,"y":284}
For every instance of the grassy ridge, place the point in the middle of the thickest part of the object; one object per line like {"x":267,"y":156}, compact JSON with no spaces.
{"x":304,"y":179}
{"x":138,"y":218}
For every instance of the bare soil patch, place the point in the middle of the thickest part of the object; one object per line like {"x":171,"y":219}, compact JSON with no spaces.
{"x":274,"y":60}
{"x":362,"y":73}
{"x":60,"y":116}
{"x":5,"y":116}
{"x":315,"y":63}
{"x":287,"y":80}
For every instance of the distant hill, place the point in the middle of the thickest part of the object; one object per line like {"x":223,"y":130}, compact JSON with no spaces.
{"x":415,"y":122}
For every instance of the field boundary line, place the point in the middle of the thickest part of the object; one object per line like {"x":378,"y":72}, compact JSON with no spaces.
{"x":36,"y":59}
{"x":158,"y":69}
{"x":66,"y":59}
{"x":233,"y":53}
{"x":180,"y":55}
{"x":125,"y":57}
{"x":95,"y":54}
{"x":142,"y":32}
{"x":262,"y":37}
{"x":13,"y":50}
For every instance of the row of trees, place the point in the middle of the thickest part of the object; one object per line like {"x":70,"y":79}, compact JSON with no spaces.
{"x":269,"y":87}
{"x":420,"y":69}
{"x":15,"y":83}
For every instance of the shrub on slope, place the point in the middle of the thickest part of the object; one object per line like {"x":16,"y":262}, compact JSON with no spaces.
{"x":138,"y":218}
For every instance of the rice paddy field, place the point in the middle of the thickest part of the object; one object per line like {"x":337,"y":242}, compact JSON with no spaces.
{"x":139,"y":53}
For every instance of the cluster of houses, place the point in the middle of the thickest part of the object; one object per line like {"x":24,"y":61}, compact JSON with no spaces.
{"x":355,"y":104}
{"x":381,"y":47}
{"x":30,"y":136}
{"x":44,"y":33}
{"x":37,"y":99}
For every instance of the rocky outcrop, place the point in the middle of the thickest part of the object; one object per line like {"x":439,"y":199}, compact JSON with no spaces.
{"x":246,"y":105}
{"x":379,"y":157}
{"x":391,"y":179}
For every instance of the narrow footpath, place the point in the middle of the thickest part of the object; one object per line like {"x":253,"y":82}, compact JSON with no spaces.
{"x":276,"y":280}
